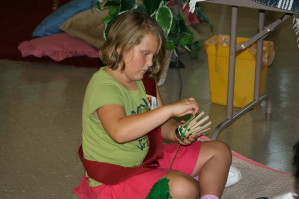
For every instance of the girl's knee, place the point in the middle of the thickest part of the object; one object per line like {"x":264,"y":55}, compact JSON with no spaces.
{"x":224,"y":151}
{"x":222,"y":146}
{"x":218,"y":148}
{"x":182,"y":185}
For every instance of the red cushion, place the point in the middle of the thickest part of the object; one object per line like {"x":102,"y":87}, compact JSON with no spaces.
{"x":58,"y":47}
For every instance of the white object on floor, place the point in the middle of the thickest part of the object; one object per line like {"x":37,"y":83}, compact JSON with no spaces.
{"x":289,"y":195}
{"x":234,"y":176}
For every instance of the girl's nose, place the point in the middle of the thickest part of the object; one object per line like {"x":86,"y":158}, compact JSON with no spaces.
{"x":149,"y":61}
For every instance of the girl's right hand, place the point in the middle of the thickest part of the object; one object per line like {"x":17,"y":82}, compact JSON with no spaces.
{"x":184,"y":107}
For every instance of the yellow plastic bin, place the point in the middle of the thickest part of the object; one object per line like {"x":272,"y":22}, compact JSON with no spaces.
{"x":217,"y":49}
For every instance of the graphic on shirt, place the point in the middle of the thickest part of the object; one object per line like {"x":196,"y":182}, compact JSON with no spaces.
{"x":142,"y":108}
{"x":143,"y":143}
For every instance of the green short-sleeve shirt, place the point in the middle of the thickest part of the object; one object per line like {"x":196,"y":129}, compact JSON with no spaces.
{"x":97,"y":145}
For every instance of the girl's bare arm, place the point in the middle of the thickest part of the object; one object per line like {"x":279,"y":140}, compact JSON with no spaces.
{"x":124,"y":128}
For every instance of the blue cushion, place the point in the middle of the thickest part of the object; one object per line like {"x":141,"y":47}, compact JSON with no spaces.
{"x":50,"y":25}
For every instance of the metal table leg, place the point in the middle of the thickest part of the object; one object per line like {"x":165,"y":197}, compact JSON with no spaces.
{"x":231,"y":76}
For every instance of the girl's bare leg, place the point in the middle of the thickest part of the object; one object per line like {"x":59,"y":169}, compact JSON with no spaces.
{"x":212,"y":167}
{"x":182,"y":186}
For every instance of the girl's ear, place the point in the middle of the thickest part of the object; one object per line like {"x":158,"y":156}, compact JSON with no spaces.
{"x":118,"y":50}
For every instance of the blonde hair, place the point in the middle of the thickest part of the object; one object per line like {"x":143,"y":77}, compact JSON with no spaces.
{"x":128,"y":31}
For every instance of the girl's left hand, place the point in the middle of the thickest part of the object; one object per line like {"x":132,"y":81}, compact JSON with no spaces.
{"x":188,"y":140}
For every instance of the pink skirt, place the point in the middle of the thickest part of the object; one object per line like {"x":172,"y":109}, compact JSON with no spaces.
{"x":138,"y":187}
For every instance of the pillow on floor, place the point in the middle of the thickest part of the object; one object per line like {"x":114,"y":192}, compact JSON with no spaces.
{"x":58,"y":47}
{"x":50,"y":25}
{"x":88,"y":26}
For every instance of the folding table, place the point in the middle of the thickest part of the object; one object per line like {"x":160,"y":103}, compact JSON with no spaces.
{"x":263,"y":32}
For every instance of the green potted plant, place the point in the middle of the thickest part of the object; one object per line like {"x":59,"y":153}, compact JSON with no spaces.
{"x":173,"y":22}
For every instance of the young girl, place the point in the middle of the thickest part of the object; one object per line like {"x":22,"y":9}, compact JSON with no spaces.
{"x":122,"y":145}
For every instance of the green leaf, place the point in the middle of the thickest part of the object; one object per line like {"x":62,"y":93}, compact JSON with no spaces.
{"x":112,"y":3}
{"x":170,"y":45}
{"x":195,"y":47}
{"x":183,"y":26}
{"x":98,"y":6}
{"x":174,"y":23}
{"x":108,"y":26}
{"x":203,"y":17}
{"x":106,"y":19}
{"x":186,"y":38}
{"x":109,"y":19}
{"x":127,"y":5}
{"x":112,"y":13}
{"x":164,"y":17}
{"x":179,"y":22}
{"x":172,"y":41}
{"x":151,"y":6}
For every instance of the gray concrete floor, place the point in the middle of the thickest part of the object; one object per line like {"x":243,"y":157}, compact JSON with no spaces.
{"x":40,"y":117}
